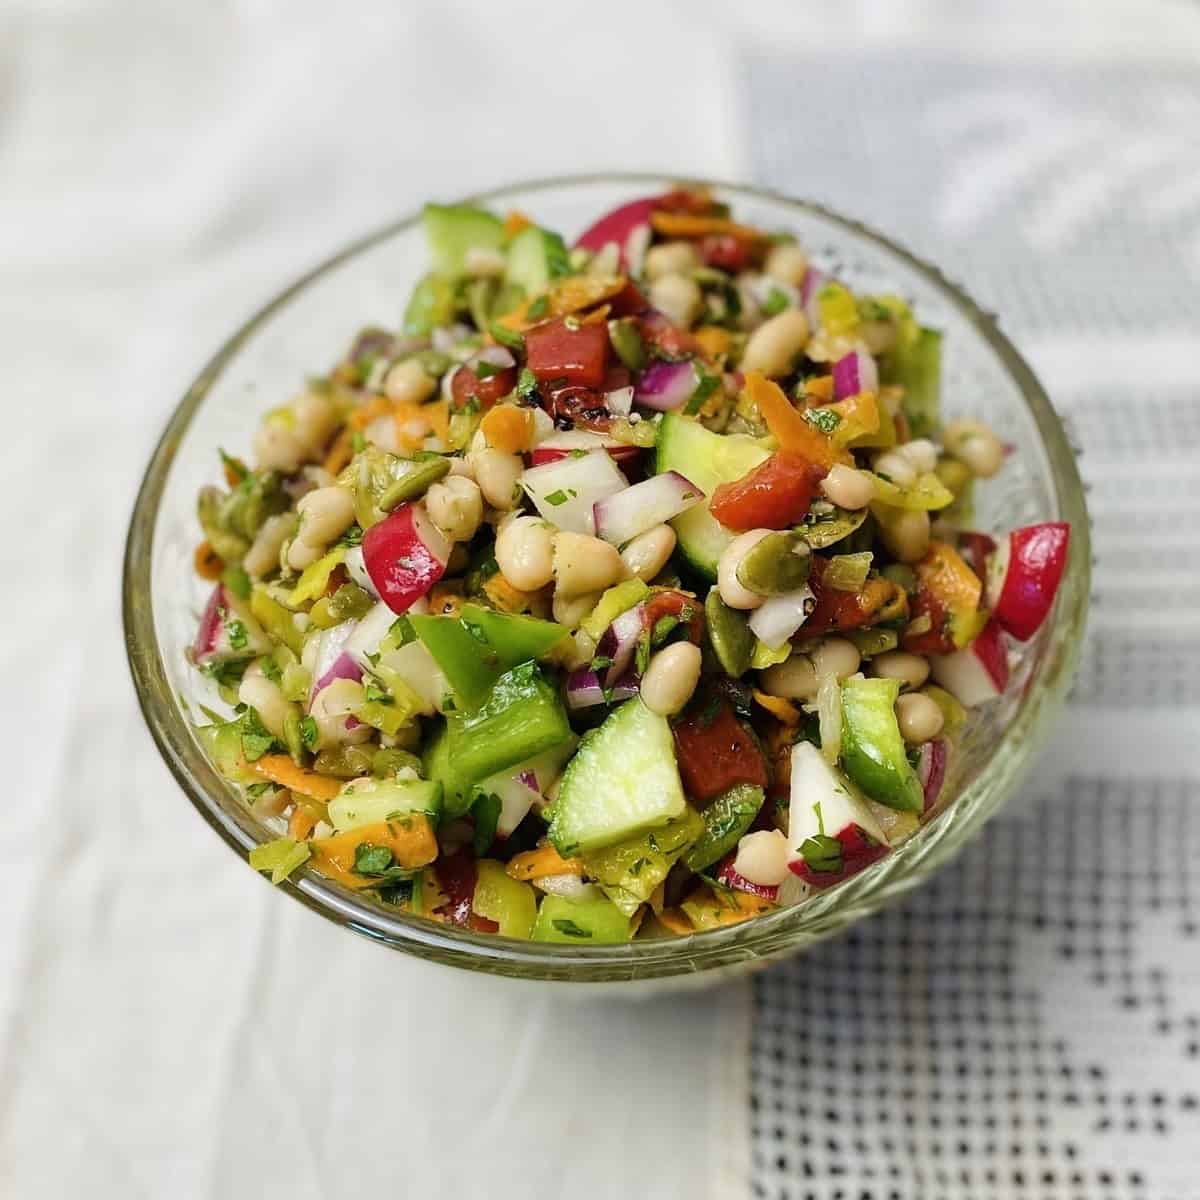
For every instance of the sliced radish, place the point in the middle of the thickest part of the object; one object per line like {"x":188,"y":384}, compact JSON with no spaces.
{"x":621,"y":517}
{"x":854,"y":373}
{"x":1024,"y":574}
{"x":978,"y":673}
{"x":728,"y":874}
{"x":667,"y":385}
{"x":227,"y":631}
{"x":931,"y":770}
{"x":823,"y":802}
{"x":405,"y":555}
{"x":564,"y":444}
{"x":617,"y":226}
{"x":777,"y":619}
{"x":565,"y":492}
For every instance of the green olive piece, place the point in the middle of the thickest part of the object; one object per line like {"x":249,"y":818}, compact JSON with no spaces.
{"x":729,"y":633}
{"x":344,"y":762}
{"x":870,"y":642}
{"x":415,"y":482}
{"x":826,"y":524}
{"x":776,"y":565}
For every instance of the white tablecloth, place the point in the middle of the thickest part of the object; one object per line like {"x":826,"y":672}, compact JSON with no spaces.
{"x":168,"y":1024}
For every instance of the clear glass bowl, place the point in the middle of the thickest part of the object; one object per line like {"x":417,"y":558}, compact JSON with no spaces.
{"x":310,"y":324}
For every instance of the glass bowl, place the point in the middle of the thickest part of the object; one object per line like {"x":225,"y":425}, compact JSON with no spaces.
{"x":310,"y":324}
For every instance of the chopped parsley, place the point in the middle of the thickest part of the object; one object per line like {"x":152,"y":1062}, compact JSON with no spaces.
{"x":527,"y":386}
{"x":568,"y":927}
{"x":775,"y":302}
{"x":238,"y":638}
{"x":309,"y":732}
{"x":705,"y":387}
{"x":825,"y":419}
{"x":538,"y":308}
{"x":270,"y":668}
{"x":485,"y":812}
{"x":485,"y":370}
{"x":556,"y":497}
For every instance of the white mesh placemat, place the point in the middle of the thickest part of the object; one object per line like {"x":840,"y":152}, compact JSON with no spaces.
{"x":1028,"y":1025}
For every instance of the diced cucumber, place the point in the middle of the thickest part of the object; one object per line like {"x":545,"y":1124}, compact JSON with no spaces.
{"x":915,"y":363}
{"x":453,"y":229}
{"x":592,"y":920}
{"x":224,"y":745}
{"x":873,"y":752}
{"x":369,"y":801}
{"x":630,"y":871}
{"x":623,"y":780}
{"x":535,"y":257}
{"x":708,"y":459}
{"x":522,"y":716}
{"x":725,"y":820}
{"x":430,"y":305}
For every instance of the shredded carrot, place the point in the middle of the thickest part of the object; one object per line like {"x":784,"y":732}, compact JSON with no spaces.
{"x":514,"y":222}
{"x":438,"y":416}
{"x":792,"y":429}
{"x":507,"y":598}
{"x":361,"y":417}
{"x":676,"y":922}
{"x":340,"y":452}
{"x":714,"y":340}
{"x":207,"y":561}
{"x":411,"y":425}
{"x":820,"y":387}
{"x":778,"y":707}
{"x":280,"y":769}
{"x":545,"y":860}
{"x":570,"y":295}
{"x":301,"y":824}
{"x":410,"y":838}
{"x":658,"y":898}
{"x":508,"y":428}
{"x":689,"y":225}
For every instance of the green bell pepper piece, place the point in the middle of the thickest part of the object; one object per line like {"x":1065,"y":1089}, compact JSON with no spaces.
{"x":873,"y":752}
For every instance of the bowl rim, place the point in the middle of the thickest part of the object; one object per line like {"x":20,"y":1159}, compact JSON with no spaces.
{"x":760,"y":939}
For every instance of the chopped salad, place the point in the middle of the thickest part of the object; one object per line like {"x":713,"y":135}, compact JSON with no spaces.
{"x":628,"y":589}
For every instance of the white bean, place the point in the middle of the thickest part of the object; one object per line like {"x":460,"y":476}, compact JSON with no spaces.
{"x":408,"y":383}
{"x":773,"y":347}
{"x":649,"y":552}
{"x":497,"y":474}
{"x":794,"y":679}
{"x":911,"y":669}
{"x":325,"y":514}
{"x":787,"y":263}
{"x":835,"y":656}
{"x":277,"y":448}
{"x":906,"y":534}
{"x":298,"y":554}
{"x":762,"y":857}
{"x":848,"y":487}
{"x":732,"y":591}
{"x":670,"y":258}
{"x":525,"y":553}
{"x":678,"y":297}
{"x":330,"y":708}
{"x":264,"y":697}
{"x":571,"y":610}
{"x":921,"y":453}
{"x":671,"y":678}
{"x":455,"y":505}
{"x":263,"y":556}
{"x":895,"y":468}
{"x":919,"y":718}
{"x":316,"y":419}
{"x":974,"y":443}
{"x":584,"y":564}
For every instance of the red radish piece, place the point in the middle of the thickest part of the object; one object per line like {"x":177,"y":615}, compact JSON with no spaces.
{"x":227,"y":631}
{"x":931,"y":770}
{"x":978,"y":673}
{"x":731,"y":879}
{"x":405,"y":555}
{"x":667,"y":385}
{"x":1024,"y":574}
{"x":616,"y":226}
{"x":975,"y":549}
{"x":822,"y":802}
{"x":854,"y":373}
{"x":565,"y":492}
{"x":209,"y":631}
{"x":621,"y":517}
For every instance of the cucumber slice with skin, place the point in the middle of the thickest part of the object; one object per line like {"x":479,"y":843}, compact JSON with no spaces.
{"x":592,"y":920}
{"x":873,"y":751}
{"x":369,"y":801}
{"x":622,"y":781}
{"x":708,"y":459}
{"x":535,"y":257}
{"x":453,"y":229}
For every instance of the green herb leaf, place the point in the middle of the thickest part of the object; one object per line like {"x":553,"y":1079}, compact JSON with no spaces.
{"x":566,"y":926}
{"x":485,"y":812}
{"x":485,"y":370}
{"x":538,"y":309}
{"x":370,"y":859}
{"x":704,"y":388}
{"x":822,"y":853}
{"x":556,"y":497}
{"x":527,"y":386}
{"x":826,"y":420}
{"x":643,"y":652}
{"x":238,"y":638}
{"x":309,"y":732}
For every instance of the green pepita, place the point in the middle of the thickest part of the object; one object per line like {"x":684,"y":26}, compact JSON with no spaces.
{"x":729,"y":633}
{"x":778,"y":564}
{"x":414,"y":482}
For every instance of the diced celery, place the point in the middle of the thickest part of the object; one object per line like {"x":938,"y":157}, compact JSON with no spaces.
{"x":368,"y":801}
{"x":281,"y":857}
{"x":507,"y":901}
{"x":593,"y":920}
{"x":315,"y":577}
{"x":618,"y":599}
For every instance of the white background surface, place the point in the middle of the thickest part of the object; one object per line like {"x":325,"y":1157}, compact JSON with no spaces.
{"x":168,"y":1025}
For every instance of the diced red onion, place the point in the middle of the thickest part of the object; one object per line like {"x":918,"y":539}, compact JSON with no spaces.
{"x":333,"y":662}
{"x":854,"y":373}
{"x":731,"y":879}
{"x":619,"y":642}
{"x":666,"y":385}
{"x":778,"y":618}
{"x":654,"y":501}
{"x":931,"y":770}
{"x":813,"y":280}
{"x":208,"y":633}
{"x":584,"y":689}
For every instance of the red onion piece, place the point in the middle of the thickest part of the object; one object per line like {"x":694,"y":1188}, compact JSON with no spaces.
{"x":621,"y":517}
{"x":854,"y":373}
{"x":731,"y":879}
{"x":584,"y":689}
{"x":813,"y":279}
{"x":208,"y":633}
{"x":931,"y":770}
{"x":619,"y":642}
{"x":666,"y":385}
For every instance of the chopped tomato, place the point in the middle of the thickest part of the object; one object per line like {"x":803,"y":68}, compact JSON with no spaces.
{"x":628,"y":301}
{"x":579,"y":355}
{"x":581,"y":407}
{"x":726,"y":252}
{"x":878,"y":600}
{"x":667,"y":338}
{"x":465,"y":385}
{"x":715,"y":751}
{"x":617,"y":376}
{"x":774,"y":495}
{"x":668,"y":602}
{"x":456,"y":876}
